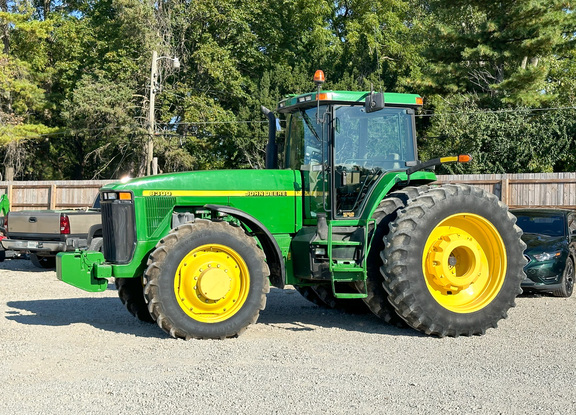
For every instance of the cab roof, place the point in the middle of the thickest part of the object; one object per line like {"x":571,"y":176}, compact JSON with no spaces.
{"x":309,"y":100}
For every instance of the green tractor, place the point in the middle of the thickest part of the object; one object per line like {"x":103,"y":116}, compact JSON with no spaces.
{"x":344,"y":212}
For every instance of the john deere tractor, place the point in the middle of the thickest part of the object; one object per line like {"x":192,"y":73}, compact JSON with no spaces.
{"x":344,"y":212}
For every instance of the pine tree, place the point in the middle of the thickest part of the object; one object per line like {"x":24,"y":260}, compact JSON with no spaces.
{"x":499,"y":50}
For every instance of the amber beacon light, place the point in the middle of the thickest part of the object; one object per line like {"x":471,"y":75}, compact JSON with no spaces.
{"x":319,"y":77}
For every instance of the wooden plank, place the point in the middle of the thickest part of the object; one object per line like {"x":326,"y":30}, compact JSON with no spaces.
{"x":505,"y":195}
{"x":52,"y":197}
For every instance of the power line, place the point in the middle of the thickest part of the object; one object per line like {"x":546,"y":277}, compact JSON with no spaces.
{"x":135,"y":127}
{"x":511,"y":110}
{"x":214,"y":122}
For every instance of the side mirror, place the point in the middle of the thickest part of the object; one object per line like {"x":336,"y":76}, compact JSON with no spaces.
{"x":374,"y":102}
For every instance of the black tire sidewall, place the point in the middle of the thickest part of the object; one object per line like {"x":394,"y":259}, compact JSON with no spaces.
{"x":166,"y":295}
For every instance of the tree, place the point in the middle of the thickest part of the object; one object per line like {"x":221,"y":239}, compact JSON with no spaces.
{"x":519,"y":140}
{"x":22,"y":98}
{"x":498,"y":50}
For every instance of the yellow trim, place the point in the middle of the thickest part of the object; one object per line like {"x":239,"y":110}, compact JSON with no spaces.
{"x":448,"y":159}
{"x":212,"y":283}
{"x":222,"y":193}
{"x":464,"y":263}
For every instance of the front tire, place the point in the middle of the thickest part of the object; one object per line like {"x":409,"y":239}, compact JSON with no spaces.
{"x":131,"y":293}
{"x":454,"y":261}
{"x":206,"y":279}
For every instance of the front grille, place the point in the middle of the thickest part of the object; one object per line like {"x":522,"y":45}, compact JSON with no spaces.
{"x":157,"y":208}
{"x":118,"y":231}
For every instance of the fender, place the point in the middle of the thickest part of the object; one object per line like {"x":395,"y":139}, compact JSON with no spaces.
{"x":269,"y":244}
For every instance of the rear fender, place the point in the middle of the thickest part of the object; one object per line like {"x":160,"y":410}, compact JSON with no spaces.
{"x":393,"y":180}
{"x":94,"y":231}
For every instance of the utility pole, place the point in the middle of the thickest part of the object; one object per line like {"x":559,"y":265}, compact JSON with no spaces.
{"x":151,"y":166}
{"x":151,"y":121}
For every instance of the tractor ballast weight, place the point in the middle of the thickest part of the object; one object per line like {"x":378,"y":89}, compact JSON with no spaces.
{"x":345,"y":213}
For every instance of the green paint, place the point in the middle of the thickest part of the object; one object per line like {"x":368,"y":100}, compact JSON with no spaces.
{"x":282,"y":200}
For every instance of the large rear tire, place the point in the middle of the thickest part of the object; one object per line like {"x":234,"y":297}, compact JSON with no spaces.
{"x":454,"y":261}
{"x":131,"y":293}
{"x":386,"y":212}
{"x":206,"y":279}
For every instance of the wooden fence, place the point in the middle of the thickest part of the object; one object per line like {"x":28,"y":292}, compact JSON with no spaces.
{"x":550,"y":190}
{"x":554,"y":190}
{"x":69,"y":194}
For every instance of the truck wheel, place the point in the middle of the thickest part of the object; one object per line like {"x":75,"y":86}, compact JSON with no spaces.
{"x":567,"y":280}
{"x":96,"y":244}
{"x":385,"y":213}
{"x":131,"y":293}
{"x":206,"y":279}
{"x":454,"y":261}
{"x":43,"y":261}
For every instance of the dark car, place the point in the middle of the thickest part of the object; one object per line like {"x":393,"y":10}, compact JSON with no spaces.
{"x":550,"y":236}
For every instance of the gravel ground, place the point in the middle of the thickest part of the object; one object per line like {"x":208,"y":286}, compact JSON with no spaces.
{"x":65,"y":351}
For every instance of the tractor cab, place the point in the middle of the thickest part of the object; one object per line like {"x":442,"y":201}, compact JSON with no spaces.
{"x":351,"y":148}
{"x":343,"y":143}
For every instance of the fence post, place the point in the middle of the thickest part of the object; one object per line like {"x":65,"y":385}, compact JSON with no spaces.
{"x":9,"y":193}
{"x":505,"y":198}
{"x":52,"y":201}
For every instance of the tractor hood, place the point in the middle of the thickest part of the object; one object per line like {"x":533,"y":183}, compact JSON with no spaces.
{"x":220,"y":183}
{"x":272,"y":196}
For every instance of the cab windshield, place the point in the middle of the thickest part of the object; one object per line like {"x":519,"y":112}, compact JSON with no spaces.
{"x":381,"y":139}
{"x":342,"y":151}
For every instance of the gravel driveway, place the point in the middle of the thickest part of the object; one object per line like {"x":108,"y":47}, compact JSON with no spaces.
{"x":65,"y":351}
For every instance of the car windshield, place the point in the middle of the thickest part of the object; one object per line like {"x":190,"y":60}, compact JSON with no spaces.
{"x":543,"y":225}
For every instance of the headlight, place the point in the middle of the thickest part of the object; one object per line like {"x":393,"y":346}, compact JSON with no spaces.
{"x":546,"y":256}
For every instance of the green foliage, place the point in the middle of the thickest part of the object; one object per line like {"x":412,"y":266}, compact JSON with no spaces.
{"x":500,"y":141}
{"x":498,"y":50}
{"x":75,"y":76}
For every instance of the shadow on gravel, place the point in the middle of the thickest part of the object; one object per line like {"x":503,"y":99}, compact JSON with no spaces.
{"x":285,"y":310}
{"x":537,"y":294}
{"x":23,"y":265}
{"x":103,"y":313}
{"x":288,"y":310}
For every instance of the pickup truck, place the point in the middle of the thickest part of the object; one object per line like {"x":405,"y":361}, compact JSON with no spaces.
{"x":44,"y":233}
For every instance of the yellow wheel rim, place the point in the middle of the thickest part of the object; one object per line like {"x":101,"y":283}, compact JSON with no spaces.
{"x":464,"y":263}
{"x":212,"y":283}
